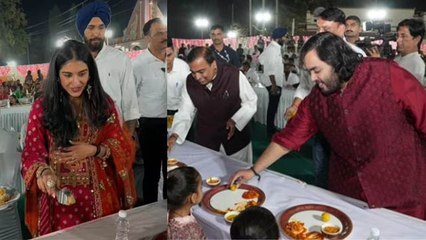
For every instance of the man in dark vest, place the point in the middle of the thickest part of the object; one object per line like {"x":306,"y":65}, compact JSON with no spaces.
{"x":372,"y":112}
{"x":224,"y":102}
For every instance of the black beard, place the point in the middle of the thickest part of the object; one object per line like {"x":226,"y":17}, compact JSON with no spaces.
{"x":280,"y":42}
{"x":335,"y":86}
{"x":94,"y":47}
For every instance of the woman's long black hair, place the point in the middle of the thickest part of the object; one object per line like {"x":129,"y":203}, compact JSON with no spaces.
{"x":59,"y":117}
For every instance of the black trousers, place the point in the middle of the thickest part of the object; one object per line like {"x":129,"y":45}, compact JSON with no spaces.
{"x":153,"y":144}
{"x":274,"y":100}
{"x":320,"y":156}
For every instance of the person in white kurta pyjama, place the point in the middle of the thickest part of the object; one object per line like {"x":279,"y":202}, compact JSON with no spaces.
{"x":185,"y":115}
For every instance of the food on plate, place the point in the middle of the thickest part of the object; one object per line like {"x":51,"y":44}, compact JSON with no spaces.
{"x":172,"y":161}
{"x":230,"y":216}
{"x":213,"y":181}
{"x":325,"y":216}
{"x":294,"y":229}
{"x":313,"y":236}
{"x":241,"y":206}
{"x":250,"y":194}
{"x":298,"y":231}
{"x":4,"y":197}
{"x":330,"y":229}
{"x":233,"y":187}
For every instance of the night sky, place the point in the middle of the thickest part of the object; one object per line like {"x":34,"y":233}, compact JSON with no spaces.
{"x":37,"y":13}
{"x":182,"y":14}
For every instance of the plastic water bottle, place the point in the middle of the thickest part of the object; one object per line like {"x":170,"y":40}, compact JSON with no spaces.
{"x":123,"y":226}
{"x":374,"y":234}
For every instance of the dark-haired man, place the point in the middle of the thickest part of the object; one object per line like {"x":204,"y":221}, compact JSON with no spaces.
{"x":409,"y":37}
{"x":273,"y":74}
{"x":223,"y":53}
{"x":328,"y":20}
{"x":115,"y":68}
{"x":377,"y":155}
{"x":151,"y":88}
{"x":224,"y":102}
{"x":353,"y":28}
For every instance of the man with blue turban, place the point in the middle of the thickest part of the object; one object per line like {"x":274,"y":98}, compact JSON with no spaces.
{"x":115,"y":68}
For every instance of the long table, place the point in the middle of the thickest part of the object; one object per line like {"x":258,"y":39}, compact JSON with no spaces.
{"x":14,"y":116}
{"x":283,"y":192}
{"x":145,"y":222}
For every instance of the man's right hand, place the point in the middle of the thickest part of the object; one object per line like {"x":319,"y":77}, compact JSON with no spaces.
{"x":171,"y":141}
{"x":373,"y":52}
{"x":290,"y":112}
{"x":244,"y":175}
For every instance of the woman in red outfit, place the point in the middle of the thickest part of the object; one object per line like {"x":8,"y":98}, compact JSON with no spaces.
{"x":75,"y":140}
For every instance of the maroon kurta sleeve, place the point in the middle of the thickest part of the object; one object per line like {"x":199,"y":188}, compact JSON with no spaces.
{"x":299,"y":130}
{"x":411,"y":96}
{"x":34,"y":153}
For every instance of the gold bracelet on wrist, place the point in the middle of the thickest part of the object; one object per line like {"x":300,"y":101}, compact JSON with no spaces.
{"x":41,"y":169}
{"x":105,"y":156}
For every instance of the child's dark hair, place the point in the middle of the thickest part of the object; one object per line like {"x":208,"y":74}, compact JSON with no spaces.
{"x":255,"y":223}
{"x":181,"y":182}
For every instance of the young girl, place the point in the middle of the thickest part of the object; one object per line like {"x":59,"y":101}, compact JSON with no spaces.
{"x":255,"y":223}
{"x":183,"y":192}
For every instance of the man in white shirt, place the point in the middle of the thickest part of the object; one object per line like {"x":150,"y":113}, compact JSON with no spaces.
{"x":409,"y":37}
{"x":353,"y":29}
{"x":151,"y":88}
{"x":273,"y":73}
{"x":250,"y":73}
{"x":177,"y":71}
{"x":224,"y":102}
{"x":115,"y":69}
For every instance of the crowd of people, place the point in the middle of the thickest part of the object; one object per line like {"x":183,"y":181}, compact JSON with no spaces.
{"x":15,"y":90}
{"x":99,"y":116}
{"x":354,"y":153}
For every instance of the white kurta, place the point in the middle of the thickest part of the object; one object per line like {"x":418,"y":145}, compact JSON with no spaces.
{"x":176,"y":80}
{"x":272,"y":62}
{"x":151,"y":85}
{"x":252,"y":76}
{"x":117,"y":79}
{"x":286,"y":99}
{"x":183,"y":118}
{"x":413,"y":63}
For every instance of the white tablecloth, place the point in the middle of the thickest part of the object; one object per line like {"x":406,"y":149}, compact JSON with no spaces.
{"x":283,"y":192}
{"x":14,"y":117}
{"x":145,"y":222}
{"x":262,"y":103}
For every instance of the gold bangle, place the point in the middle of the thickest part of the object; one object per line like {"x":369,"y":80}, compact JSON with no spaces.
{"x":41,"y":169}
{"x":105,"y":156}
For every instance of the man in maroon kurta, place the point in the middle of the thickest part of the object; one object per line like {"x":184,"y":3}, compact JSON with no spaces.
{"x":373,"y":114}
